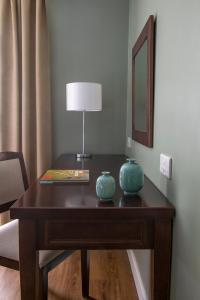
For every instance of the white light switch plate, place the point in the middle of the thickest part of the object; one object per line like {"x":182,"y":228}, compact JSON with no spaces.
{"x":129,"y":142}
{"x":166,"y":165}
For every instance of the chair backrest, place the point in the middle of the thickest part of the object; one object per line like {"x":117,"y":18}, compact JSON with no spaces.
{"x":13,"y":177}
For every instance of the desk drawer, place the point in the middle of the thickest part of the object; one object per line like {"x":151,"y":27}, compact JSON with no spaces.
{"x":95,"y":234}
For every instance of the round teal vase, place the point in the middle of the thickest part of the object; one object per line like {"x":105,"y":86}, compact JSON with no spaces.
{"x":131,"y":177}
{"x":105,"y":186}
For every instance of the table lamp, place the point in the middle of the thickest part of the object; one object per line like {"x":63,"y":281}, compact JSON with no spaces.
{"x":84,"y":97}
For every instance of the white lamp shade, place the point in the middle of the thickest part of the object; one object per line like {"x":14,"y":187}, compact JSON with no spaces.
{"x":83,"y":96}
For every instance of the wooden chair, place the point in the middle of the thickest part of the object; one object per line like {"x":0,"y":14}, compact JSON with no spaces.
{"x":13,"y":183}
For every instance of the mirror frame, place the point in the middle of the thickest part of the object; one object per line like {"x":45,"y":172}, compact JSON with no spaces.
{"x":147,"y":34}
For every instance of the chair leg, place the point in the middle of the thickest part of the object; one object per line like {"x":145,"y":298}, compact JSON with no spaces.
{"x":85,"y":272}
{"x":39,"y":284}
{"x":45,"y":284}
{"x":42,"y":284}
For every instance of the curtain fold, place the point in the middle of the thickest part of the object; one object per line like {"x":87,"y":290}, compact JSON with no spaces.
{"x":25,"y":105}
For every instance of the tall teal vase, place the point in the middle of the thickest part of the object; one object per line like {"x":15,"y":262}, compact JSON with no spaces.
{"x":105,"y":186}
{"x":131,"y":177}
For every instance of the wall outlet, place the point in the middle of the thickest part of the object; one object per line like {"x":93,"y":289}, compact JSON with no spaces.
{"x":166,"y":165}
{"x":129,"y":142}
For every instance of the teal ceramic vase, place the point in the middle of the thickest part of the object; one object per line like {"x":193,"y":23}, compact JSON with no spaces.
{"x":131,"y":177}
{"x":105,"y":186}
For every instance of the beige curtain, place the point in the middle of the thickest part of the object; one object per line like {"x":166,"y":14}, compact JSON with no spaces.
{"x":25,"y":107}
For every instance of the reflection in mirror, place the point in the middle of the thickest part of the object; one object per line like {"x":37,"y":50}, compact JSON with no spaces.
{"x":141,"y":88}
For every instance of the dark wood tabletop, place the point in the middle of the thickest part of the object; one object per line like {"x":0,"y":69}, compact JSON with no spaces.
{"x":62,"y":198}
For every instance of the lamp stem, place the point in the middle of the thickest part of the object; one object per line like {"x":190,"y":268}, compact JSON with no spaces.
{"x":83,"y":151}
{"x":83,"y":155}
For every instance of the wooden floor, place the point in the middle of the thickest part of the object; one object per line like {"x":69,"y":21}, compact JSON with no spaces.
{"x":110,"y":279}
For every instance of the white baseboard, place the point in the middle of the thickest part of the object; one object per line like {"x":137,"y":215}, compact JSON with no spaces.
{"x":142,"y":295}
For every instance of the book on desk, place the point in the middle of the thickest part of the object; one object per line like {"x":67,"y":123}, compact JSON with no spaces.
{"x":64,"y":176}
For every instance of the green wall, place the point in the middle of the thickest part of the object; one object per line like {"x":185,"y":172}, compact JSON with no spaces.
{"x":176,"y":130}
{"x":88,"y":42}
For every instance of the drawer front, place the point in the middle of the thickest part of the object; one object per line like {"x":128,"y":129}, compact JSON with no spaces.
{"x":95,"y":234}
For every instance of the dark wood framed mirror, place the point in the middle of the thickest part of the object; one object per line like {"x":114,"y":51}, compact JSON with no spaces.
{"x":143,"y":85}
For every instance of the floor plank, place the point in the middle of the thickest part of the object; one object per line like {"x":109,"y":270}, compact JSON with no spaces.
{"x":110,"y":279}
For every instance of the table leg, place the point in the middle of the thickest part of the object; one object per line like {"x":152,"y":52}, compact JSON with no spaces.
{"x":28,"y":259}
{"x":161,"y":260}
{"x":85,"y":273}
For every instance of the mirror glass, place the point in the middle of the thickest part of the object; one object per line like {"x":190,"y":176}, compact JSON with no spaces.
{"x":143,"y":85}
{"x":141,"y":88}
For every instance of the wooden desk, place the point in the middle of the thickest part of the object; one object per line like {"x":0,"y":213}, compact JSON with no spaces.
{"x":71,"y":216}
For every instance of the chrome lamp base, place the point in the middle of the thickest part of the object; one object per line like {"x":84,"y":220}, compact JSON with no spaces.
{"x":83,"y":155}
